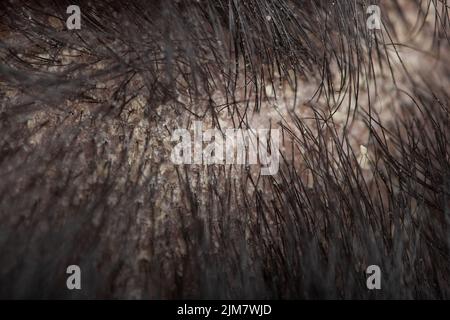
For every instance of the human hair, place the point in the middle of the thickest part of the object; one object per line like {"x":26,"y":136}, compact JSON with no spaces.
{"x":86,"y":119}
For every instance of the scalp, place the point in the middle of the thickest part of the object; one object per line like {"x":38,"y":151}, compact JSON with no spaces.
{"x":86,"y":121}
